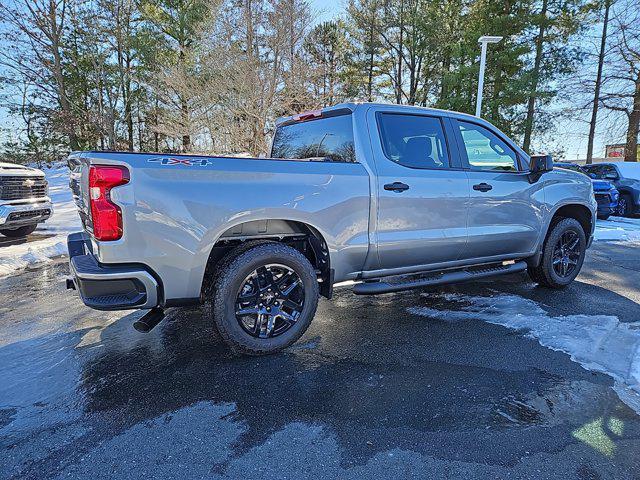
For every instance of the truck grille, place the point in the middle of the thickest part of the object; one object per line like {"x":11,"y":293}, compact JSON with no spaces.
{"x":28,"y":215}
{"x":22,"y":188}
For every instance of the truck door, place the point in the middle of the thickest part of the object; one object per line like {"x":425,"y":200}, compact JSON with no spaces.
{"x":505,"y":209}
{"x":422,"y":191}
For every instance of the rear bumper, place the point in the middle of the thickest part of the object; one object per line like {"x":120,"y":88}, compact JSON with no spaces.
{"x":109,"y":287}
{"x":15,"y":215}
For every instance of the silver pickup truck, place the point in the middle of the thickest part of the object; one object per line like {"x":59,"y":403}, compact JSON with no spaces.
{"x":389,"y":197}
{"x":24,"y":200}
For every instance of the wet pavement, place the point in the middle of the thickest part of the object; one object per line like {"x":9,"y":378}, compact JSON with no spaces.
{"x":370,"y":391}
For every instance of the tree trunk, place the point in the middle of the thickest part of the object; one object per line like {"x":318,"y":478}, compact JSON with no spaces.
{"x":631,"y":148}
{"x":531,"y":104}
{"x":596,"y":93}
{"x":186,"y":138}
{"x":371,"y":59}
{"x":58,"y":74}
{"x":400,"y":48}
{"x":126,"y":94}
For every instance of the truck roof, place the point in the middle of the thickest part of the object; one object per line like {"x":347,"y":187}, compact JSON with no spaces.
{"x":356,"y":105}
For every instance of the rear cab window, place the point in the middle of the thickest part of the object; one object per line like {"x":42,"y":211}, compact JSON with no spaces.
{"x":325,"y":137}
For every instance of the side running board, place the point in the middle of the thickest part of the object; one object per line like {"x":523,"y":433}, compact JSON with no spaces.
{"x":441,"y":278}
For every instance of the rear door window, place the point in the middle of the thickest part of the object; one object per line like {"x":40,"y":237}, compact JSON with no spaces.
{"x":415,"y":141}
{"x":329,"y":138}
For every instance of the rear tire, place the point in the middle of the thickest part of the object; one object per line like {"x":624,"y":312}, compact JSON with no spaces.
{"x":604,"y":217}
{"x":19,"y":232}
{"x":562,"y":255}
{"x":253,"y":280}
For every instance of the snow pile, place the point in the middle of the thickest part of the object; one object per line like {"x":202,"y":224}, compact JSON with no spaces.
{"x":64,"y":220}
{"x":598,"y":342}
{"x":618,"y":229}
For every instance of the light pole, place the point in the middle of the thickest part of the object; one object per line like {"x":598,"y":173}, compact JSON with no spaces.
{"x":483,"y":41}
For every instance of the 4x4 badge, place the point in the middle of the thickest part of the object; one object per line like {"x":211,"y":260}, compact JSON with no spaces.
{"x":189,"y":162}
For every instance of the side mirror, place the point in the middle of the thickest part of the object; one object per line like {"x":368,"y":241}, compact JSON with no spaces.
{"x":538,"y":165}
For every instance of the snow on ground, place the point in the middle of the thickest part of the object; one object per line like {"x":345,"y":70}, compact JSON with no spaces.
{"x":618,"y":229}
{"x":598,"y":342}
{"x":64,"y":220}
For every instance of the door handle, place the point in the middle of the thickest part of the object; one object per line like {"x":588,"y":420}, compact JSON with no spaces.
{"x":396,"y":187}
{"x":482,"y":187}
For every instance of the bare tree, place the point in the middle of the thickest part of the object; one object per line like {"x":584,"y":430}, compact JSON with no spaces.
{"x":622,"y":93}
{"x":35,"y":30}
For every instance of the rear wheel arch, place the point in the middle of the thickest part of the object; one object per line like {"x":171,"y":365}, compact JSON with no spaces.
{"x":305,"y":238}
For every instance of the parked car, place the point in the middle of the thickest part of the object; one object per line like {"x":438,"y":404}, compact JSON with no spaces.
{"x":391,"y":197}
{"x":23,"y":199}
{"x":606,"y":193}
{"x":626,"y":178}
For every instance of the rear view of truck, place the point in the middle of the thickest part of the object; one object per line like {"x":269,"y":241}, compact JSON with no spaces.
{"x":103,"y":287}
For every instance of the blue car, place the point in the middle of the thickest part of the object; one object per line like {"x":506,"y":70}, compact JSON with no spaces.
{"x":606,"y":193}
{"x":625,"y":176}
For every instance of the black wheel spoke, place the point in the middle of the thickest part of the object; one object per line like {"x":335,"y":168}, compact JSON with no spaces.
{"x":290,"y":319}
{"x":287,"y":291}
{"x":266,"y":275}
{"x":260,"y":328}
{"x":245,"y":311}
{"x":292,"y":305}
{"x":574,"y":243}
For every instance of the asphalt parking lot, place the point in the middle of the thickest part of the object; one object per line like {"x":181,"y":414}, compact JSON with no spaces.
{"x":372,"y":390}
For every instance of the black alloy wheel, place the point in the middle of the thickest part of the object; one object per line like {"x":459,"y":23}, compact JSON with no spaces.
{"x":269,"y":301}
{"x":566,"y":253}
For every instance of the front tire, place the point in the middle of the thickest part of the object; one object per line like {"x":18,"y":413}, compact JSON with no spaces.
{"x":263,"y":298}
{"x":562,"y":255}
{"x":625,"y":205}
{"x":19,"y":232}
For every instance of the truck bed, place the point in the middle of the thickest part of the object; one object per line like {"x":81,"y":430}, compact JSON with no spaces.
{"x":176,"y":207}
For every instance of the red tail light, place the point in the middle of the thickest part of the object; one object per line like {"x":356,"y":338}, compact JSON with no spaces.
{"x":106,"y":215}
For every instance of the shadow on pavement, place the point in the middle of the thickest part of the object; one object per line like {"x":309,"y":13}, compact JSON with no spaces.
{"x":34,"y":237}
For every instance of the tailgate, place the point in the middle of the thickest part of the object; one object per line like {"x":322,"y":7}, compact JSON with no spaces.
{"x":79,"y":184}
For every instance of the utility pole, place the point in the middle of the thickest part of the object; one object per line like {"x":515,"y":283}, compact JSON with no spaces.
{"x":483,"y":41}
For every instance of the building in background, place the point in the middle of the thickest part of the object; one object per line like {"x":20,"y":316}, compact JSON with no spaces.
{"x":617,"y":151}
